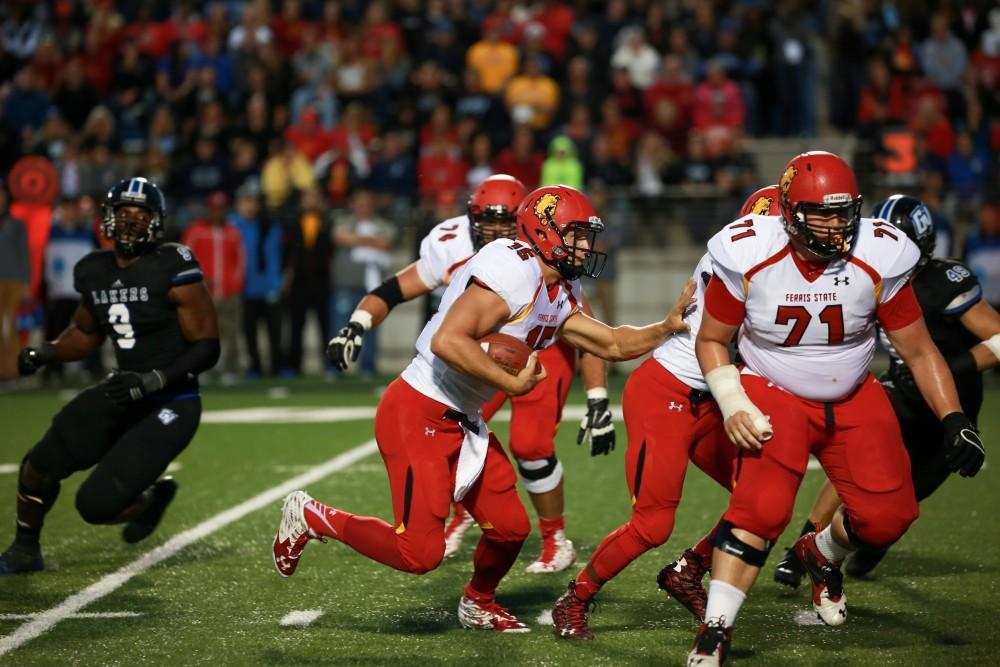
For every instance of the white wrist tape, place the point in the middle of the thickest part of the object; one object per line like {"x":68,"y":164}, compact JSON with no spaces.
{"x":993,"y":344}
{"x":727,"y":390}
{"x":597,"y":393}
{"x":362,"y":317}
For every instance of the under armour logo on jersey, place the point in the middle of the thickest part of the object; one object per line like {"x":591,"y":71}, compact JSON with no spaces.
{"x":679,"y":407}
{"x":846,"y":279}
{"x":166,"y":416}
{"x":430,"y":432}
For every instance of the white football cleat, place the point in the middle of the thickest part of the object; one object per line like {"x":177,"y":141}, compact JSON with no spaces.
{"x":293,"y":533}
{"x":828,"y":596}
{"x":476,"y":614}
{"x":557,"y":555}
{"x":456,"y":529}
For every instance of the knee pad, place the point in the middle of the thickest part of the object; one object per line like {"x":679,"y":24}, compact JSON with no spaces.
{"x":101,"y":503}
{"x":35,"y":486}
{"x":540,"y":475}
{"x":730,"y":544}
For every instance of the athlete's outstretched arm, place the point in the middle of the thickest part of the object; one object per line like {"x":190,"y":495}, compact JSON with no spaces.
{"x":76,"y":342}
{"x":983,"y":321}
{"x":475,"y":313}
{"x":625,"y":342}
{"x":345,"y":348}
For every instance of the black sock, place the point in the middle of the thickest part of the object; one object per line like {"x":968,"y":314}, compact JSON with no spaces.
{"x":809,"y":527}
{"x":26,"y":537}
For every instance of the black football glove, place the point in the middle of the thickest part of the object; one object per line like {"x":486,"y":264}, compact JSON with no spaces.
{"x":30,"y":359}
{"x":963,"y":448}
{"x":344,"y":348}
{"x":124,"y":387}
{"x":598,"y":425}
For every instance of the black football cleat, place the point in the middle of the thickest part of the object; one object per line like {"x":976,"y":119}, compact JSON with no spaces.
{"x":20,"y":558}
{"x":789,"y":571}
{"x":143,"y":525}
{"x":863,"y":561}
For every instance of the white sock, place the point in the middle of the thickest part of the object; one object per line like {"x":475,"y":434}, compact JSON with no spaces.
{"x":829,"y":547}
{"x":724,"y":602}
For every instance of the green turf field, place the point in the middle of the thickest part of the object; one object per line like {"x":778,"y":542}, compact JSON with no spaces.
{"x":218,"y":600}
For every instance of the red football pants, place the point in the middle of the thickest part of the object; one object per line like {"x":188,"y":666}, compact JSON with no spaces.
{"x":420,"y":448}
{"x":535,"y":416}
{"x":666,"y":428}
{"x":858,"y":442}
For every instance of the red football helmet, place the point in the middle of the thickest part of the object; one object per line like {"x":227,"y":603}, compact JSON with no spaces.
{"x":543,"y":219}
{"x":821,"y":184}
{"x":492,"y":209}
{"x":762,"y":202}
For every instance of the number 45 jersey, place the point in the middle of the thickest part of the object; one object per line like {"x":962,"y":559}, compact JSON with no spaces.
{"x":509,"y":269}
{"x":810,"y":328}
{"x":132,"y":306}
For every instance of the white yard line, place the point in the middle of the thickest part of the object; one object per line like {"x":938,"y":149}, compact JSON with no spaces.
{"x":300,"y":619}
{"x":82,"y":614}
{"x":46,"y":620}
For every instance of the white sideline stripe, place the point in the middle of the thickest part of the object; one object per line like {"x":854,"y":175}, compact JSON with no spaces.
{"x":301,"y":619}
{"x":315,"y":415}
{"x":82,"y":614}
{"x":46,"y":620}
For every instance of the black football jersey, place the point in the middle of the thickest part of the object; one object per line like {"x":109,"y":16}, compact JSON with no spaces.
{"x":945,"y":289}
{"x":132,"y":306}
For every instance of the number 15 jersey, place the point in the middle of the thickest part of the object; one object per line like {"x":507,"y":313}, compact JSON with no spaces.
{"x":510,"y":270}
{"x":810,"y":328}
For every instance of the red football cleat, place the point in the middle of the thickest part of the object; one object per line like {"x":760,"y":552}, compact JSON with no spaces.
{"x":293,"y":533}
{"x":682,"y":581}
{"x":570,"y":615}
{"x":828,"y":597}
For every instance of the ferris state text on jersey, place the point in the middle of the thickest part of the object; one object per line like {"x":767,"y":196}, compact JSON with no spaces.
{"x":810,"y":328}
{"x":132,"y":305}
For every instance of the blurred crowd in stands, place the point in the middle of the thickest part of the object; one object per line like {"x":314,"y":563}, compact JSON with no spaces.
{"x":301,"y":142}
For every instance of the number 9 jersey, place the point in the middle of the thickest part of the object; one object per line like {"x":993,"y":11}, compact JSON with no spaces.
{"x":132,"y":305}
{"x":810,"y":327}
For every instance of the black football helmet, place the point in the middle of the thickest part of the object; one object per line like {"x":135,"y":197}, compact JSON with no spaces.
{"x":913,"y":218}
{"x":132,"y":235}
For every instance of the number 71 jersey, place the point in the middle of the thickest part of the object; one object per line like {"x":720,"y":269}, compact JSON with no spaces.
{"x":810,"y":328}
{"x":132,"y":306}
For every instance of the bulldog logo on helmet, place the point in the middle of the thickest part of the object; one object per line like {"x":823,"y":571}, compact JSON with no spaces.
{"x":786,"y":179}
{"x":761,"y":205}
{"x":545,"y":207}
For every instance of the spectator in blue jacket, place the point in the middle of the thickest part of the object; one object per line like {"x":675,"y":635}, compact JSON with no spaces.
{"x":262,"y":245}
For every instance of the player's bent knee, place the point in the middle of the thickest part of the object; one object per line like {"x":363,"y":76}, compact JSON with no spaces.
{"x":99,"y":506}
{"x":880,"y":530}
{"x":729,"y":543}
{"x":540,"y":475}
{"x":653,"y":528}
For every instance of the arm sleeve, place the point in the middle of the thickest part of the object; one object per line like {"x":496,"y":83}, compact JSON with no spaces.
{"x":897,"y":275}
{"x":722,"y":305}
{"x":182,"y":265}
{"x":899,"y":311}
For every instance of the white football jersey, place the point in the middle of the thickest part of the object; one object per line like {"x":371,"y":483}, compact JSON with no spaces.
{"x":510,"y":269}
{"x":445,"y":248}
{"x":811,"y":333}
{"x":676,"y":354}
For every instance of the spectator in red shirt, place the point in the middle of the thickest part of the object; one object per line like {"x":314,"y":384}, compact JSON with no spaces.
{"x":378,"y":28}
{"x":219,"y":247}
{"x":673,"y":84}
{"x":440,"y":169}
{"x":521,"y":159}
{"x":308,"y":135}
{"x":557,"y":18}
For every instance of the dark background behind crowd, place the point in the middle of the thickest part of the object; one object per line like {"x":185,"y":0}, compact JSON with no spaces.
{"x":300,"y":143}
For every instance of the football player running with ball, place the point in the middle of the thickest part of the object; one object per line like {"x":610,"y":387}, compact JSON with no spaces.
{"x":805,"y":298}
{"x":535,"y":416}
{"x":428,"y":424}
{"x":967,"y":331}
{"x":150,"y":300}
{"x":671,"y":418}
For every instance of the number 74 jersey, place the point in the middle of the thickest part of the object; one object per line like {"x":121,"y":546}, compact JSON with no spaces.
{"x":810,"y":328}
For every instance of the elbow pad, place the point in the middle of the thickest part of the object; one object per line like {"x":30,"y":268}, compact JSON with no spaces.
{"x":390,"y":292}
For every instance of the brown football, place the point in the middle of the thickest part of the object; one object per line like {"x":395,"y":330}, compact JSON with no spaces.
{"x":510,"y":353}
